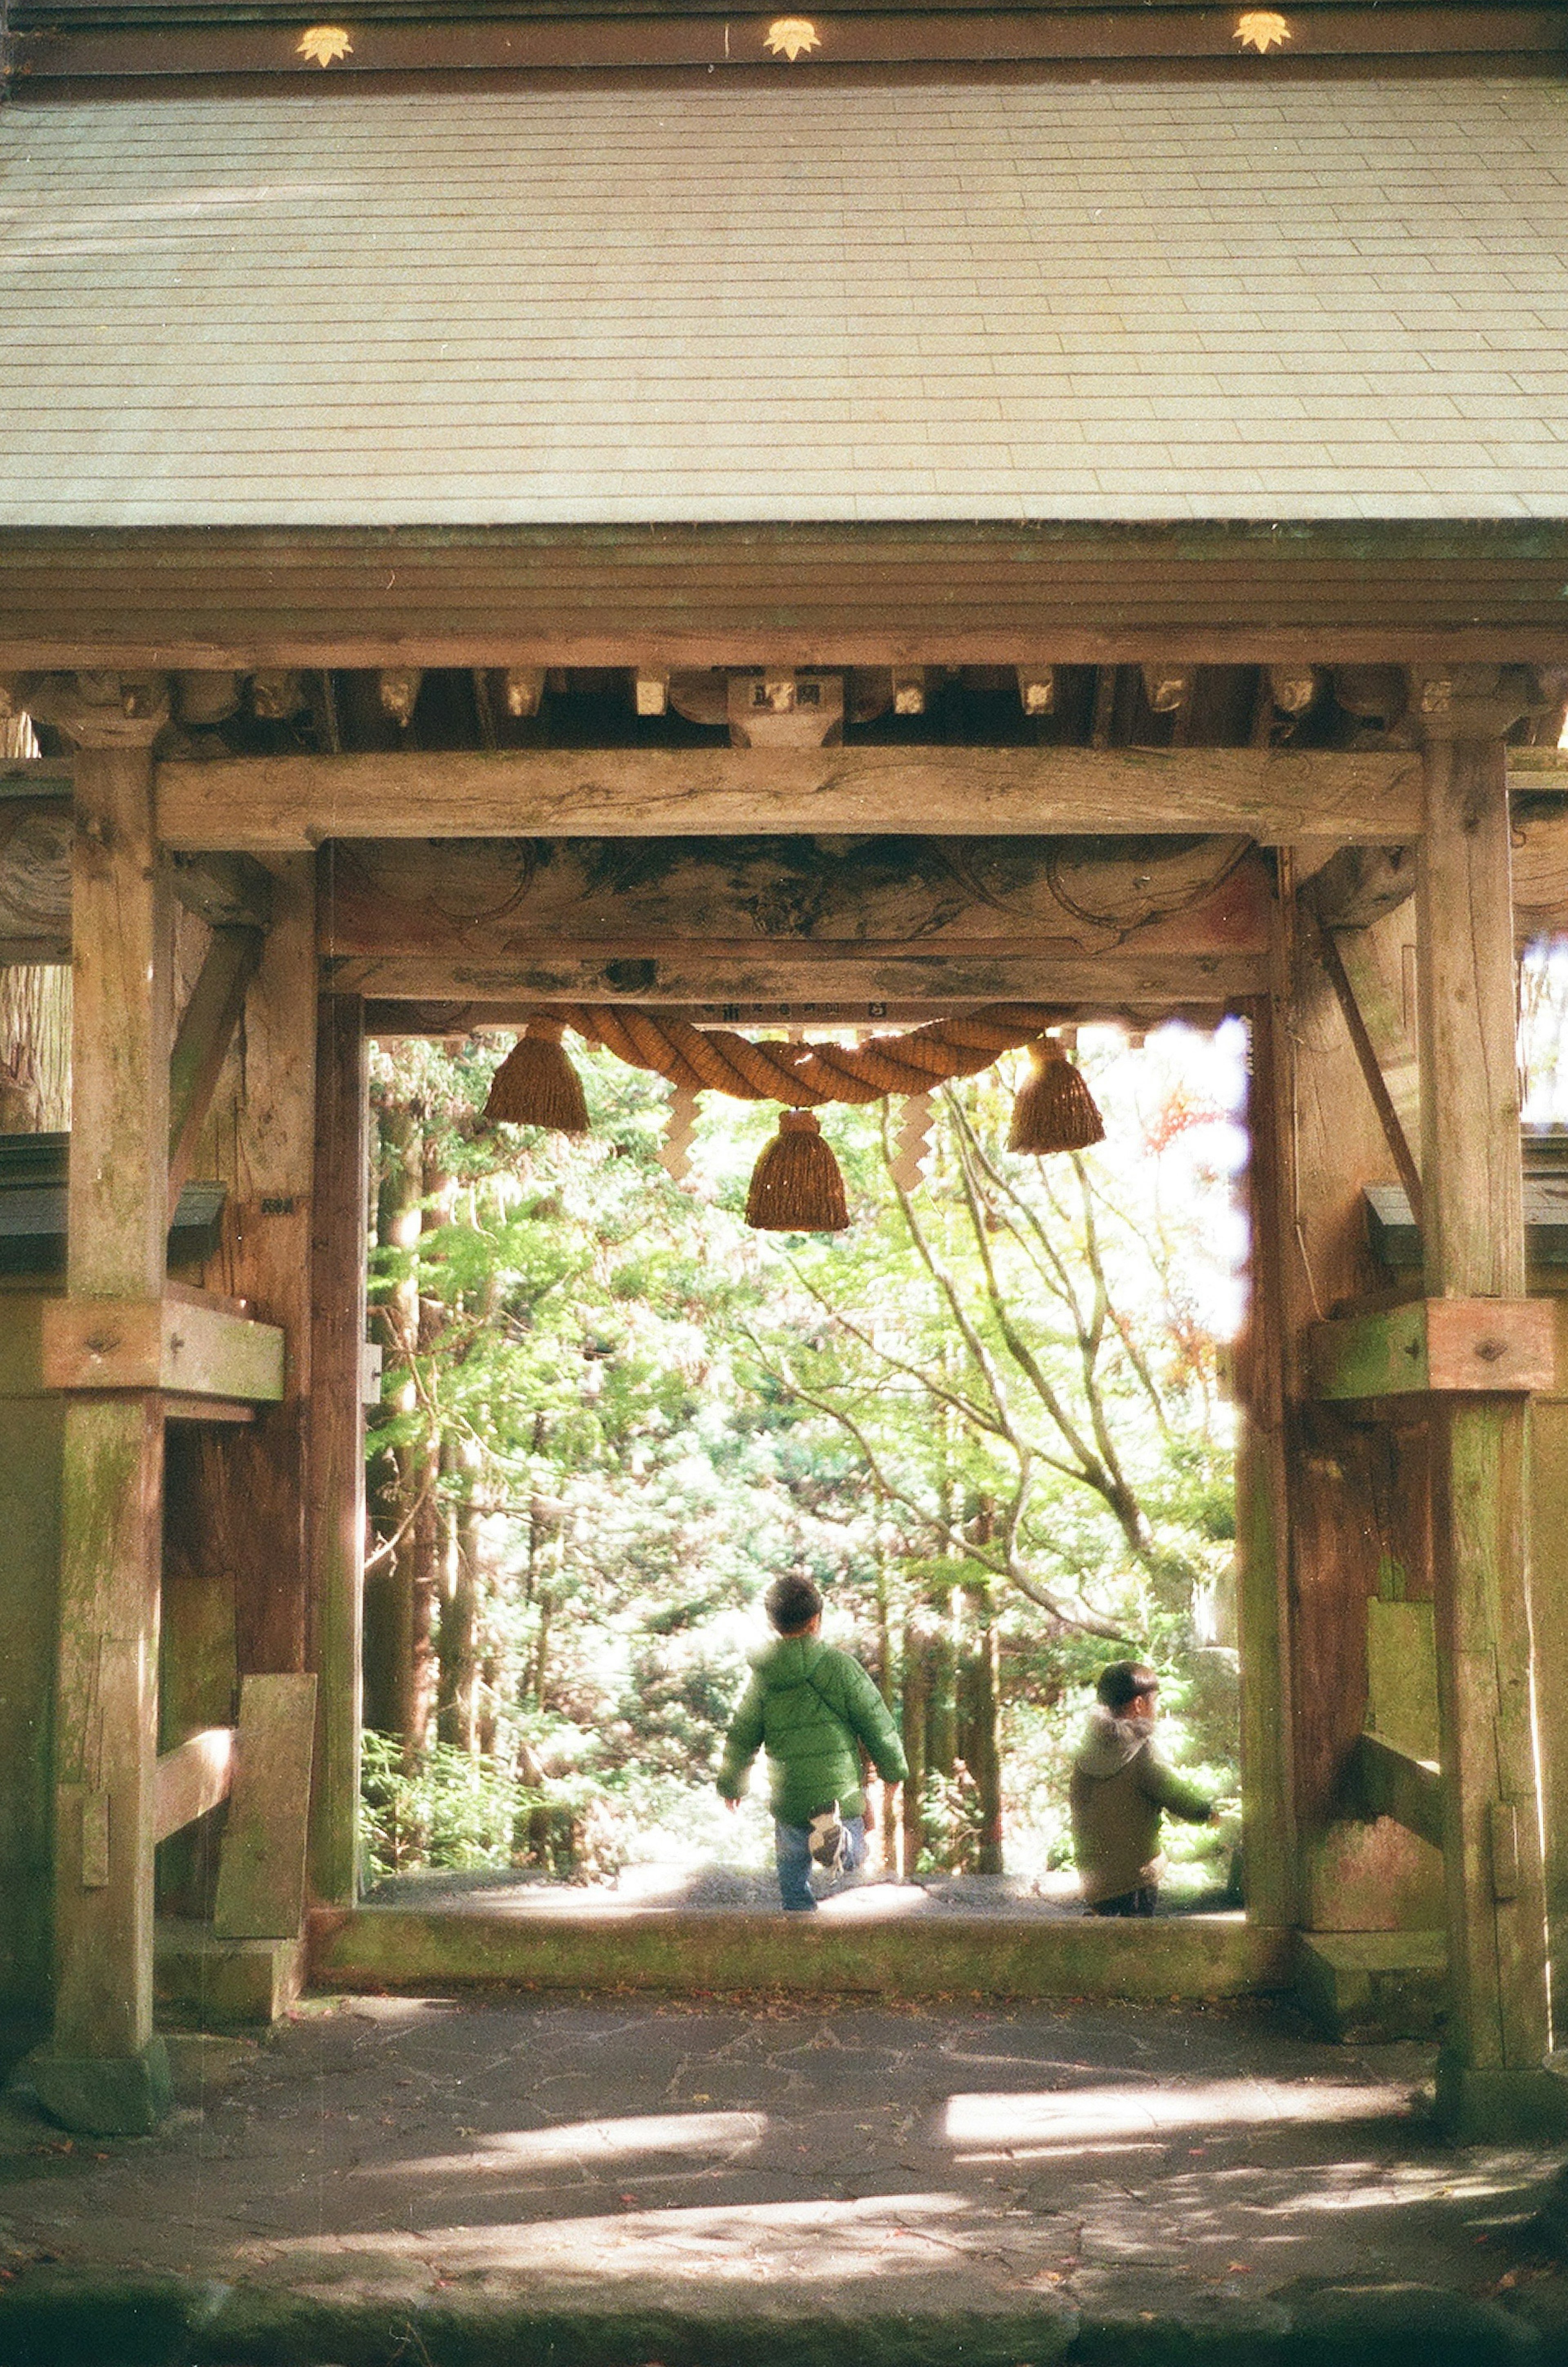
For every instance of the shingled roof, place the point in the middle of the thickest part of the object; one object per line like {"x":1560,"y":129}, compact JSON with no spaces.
{"x":976,"y":297}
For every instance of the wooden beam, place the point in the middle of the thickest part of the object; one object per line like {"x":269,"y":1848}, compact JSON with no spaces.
{"x":1379,"y":970}
{"x":1389,"y":1783}
{"x":227,"y":1411}
{"x":201,"y":1042}
{"x":156,"y":1345}
{"x":999,"y":592}
{"x":285,"y":804}
{"x":1400,"y":1150}
{"x":261,"y":1876}
{"x":1541,"y":866}
{"x":1476,"y":1347}
{"x":226,"y":887}
{"x":228,"y":891}
{"x":335,"y":1441}
{"x":1123,"y":981}
{"x":192,"y":1779}
{"x":44,"y":777}
{"x":602,"y":39}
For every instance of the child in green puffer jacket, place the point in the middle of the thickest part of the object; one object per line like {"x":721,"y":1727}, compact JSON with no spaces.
{"x":814,"y":1710}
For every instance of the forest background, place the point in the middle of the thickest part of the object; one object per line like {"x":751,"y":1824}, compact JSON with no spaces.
{"x":990,"y":1421}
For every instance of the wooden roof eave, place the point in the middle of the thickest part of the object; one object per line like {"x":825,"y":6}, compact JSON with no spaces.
{"x":813,"y":593}
{"x":55,"y":39}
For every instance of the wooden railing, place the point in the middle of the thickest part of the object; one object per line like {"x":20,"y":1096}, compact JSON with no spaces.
{"x":262,"y":1767}
{"x":193,"y":1778}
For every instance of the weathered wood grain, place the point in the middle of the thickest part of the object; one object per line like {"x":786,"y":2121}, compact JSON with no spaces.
{"x":261,"y":1877}
{"x":1540,"y":870}
{"x":284,"y":804}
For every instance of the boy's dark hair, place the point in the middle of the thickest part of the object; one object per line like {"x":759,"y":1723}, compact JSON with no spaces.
{"x":1124,"y":1681}
{"x":792,"y":1603}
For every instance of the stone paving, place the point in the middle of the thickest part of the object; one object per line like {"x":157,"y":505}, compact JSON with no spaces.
{"x":663,"y":2183}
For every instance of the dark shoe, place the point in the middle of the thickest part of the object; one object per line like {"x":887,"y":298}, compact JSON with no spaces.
{"x":828,"y":1843}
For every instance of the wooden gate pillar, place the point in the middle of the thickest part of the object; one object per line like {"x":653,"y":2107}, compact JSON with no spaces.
{"x":1491,"y":2079}
{"x":105,"y":2071}
{"x":336,"y":1453}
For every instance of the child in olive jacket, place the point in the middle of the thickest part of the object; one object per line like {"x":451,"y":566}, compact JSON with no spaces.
{"x":1121,"y":1787}
{"x":814,"y":1710}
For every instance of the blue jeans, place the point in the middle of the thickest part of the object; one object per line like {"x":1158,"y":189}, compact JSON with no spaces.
{"x":793,"y":1843}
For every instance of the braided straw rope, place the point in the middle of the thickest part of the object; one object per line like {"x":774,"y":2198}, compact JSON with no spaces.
{"x":803,"y":1076}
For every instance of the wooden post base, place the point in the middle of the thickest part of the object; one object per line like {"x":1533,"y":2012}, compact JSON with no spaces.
{"x":104,"y":2095}
{"x":1500,"y":2106}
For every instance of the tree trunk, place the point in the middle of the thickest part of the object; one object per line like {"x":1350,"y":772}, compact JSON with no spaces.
{"x":983,"y":1739}
{"x":884,"y":1624}
{"x":917,"y":1680}
{"x":421,"y":1563}
{"x":457,"y":1722}
{"x":941,"y":1704}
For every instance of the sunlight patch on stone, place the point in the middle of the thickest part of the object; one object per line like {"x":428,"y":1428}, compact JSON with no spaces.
{"x":589,"y":2143}
{"x":824,"y":2239}
{"x":1076,"y":2116}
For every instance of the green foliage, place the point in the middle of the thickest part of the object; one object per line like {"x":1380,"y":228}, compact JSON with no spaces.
{"x":453,"y":1810}
{"x":999,"y":1390}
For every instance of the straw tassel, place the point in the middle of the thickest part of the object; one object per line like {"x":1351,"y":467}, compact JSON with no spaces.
{"x":796,"y":1186}
{"x":1054,"y":1109}
{"x":537,"y":1085}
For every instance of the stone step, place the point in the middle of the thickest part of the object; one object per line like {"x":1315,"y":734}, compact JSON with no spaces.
{"x":1122,"y":2319}
{"x":1178,"y":1956}
{"x":1370,"y":1986}
{"x":223,"y":1984}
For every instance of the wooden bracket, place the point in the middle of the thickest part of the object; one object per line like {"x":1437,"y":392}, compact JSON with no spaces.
{"x":1400,"y":1150}
{"x":201,"y":1045}
{"x":194,"y":1353}
{"x":1478,"y":1346}
{"x":228,"y":891}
